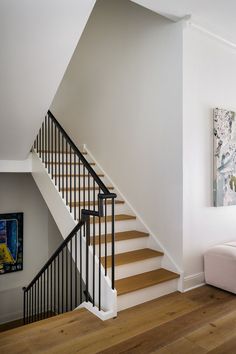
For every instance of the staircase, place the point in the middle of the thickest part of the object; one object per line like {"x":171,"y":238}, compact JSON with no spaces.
{"x":121,"y":261}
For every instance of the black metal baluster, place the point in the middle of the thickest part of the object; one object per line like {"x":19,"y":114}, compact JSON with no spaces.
{"x":71,"y":270}
{"x":99,"y":266}
{"x":58,"y":282}
{"x":45,"y":139}
{"x":35,"y":298}
{"x":79,"y":191}
{"x":43,"y":147}
{"x":40,"y":144}
{"x":54,"y":286}
{"x":44,"y":295}
{"x":70,"y":179}
{"x":94,"y":242}
{"x":62,"y":172}
{"x":81,"y":265}
{"x":84,"y":187}
{"x":59,"y":158}
{"x":89,"y":206}
{"x":67,"y":279}
{"x":55,"y":147}
{"x":27,"y":306}
{"x":41,"y":297}
{"x":75,"y":171}
{"x":24,"y":307}
{"x":51,"y":147}
{"x":76,"y":267}
{"x":48,"y":144}
{"x":62,"y":281}
{"x":66,"y":173}
{"x":51,"y":308}
{"x":105,"y":236}
{"x":37,"y":144}
{"x":113,"y":245}
{"x":47,"y":293}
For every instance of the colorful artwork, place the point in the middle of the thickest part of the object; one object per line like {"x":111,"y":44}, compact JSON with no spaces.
{"x":11,"y":242}
{"x":224,"y":157}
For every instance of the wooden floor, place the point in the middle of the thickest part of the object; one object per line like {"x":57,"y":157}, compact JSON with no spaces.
{"x":198,"y":322}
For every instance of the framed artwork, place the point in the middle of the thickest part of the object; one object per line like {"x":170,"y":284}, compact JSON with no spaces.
{"x":11,"y":242}
{"x":224,"y":157}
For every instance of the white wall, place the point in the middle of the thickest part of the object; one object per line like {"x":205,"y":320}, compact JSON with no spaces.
{"x":37,"y":41}
{"x":19,"y":193}
{"x":122,"y":96}
{"x":209,"y":81}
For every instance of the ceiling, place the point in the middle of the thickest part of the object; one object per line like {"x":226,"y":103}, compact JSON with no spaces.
{"x":37,"y":40}
{"x":217,"y":16}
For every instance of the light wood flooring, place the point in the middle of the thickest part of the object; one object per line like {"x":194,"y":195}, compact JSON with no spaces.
{"x":197,"y":322}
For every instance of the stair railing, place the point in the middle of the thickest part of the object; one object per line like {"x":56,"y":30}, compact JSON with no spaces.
{"x":89,"y":201}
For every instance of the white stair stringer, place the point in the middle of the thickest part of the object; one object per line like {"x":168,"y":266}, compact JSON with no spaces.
{"x":65,"y":222}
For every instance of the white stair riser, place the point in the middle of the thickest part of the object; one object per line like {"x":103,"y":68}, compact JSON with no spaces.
{"x":143,"y":295}
{"x":119,"y":209}
{"x":124,"y":246}
{"x":119,"y":227}
{"x":128,"y":270}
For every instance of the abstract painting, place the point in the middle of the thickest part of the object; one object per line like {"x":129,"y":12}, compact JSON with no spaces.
{"x":224,"y":157}
{"x":11,"y":242}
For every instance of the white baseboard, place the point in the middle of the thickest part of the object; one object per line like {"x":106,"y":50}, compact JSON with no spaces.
{"x":193,"y":281}
{"x":13,"y":316}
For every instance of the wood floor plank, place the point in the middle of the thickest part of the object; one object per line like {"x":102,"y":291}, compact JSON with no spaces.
{"x":161,"y":326}
{"x":181,"y":346}
{"x":228,"y":347}
{"x":162,"y":335}
{"x":215,"y":333}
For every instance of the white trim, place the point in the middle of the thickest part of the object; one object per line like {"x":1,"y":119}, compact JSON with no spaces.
{"x":187,"y":20}
{"x":103,"y":315}
{"x":167,"y":259}
{"x":12,"y":316}
{"x":193,"y":281}
{"x":16,"y":166}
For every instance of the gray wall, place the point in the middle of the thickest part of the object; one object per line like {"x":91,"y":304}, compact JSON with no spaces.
{"x":19,"y":193}
{"x":122,"y":96}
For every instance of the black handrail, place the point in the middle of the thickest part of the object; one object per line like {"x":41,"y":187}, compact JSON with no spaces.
{"x":60,"y":156}
{"x":55,"y":254}
{"x":80,"y":155}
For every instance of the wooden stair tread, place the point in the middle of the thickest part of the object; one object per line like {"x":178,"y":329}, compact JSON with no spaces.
{"x":119,"y":217}
{"x":62,"y":152}
{"x":91,"y":203}
{"x":73,"y":175}
{"x":120,"y":236}
{"x":69,"y":163}
{"x":144,"y":280}
{"x":84,"y":188}
{"x":132,"y":256}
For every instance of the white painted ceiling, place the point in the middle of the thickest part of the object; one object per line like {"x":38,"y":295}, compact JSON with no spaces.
{"x":217,"y":16}
{"x":37,"y":40}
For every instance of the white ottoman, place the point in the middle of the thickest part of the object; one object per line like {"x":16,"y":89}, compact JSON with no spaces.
{"x":220,"y":266}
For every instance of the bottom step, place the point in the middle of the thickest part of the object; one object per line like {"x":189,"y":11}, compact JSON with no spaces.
{"x":145,"y":287}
